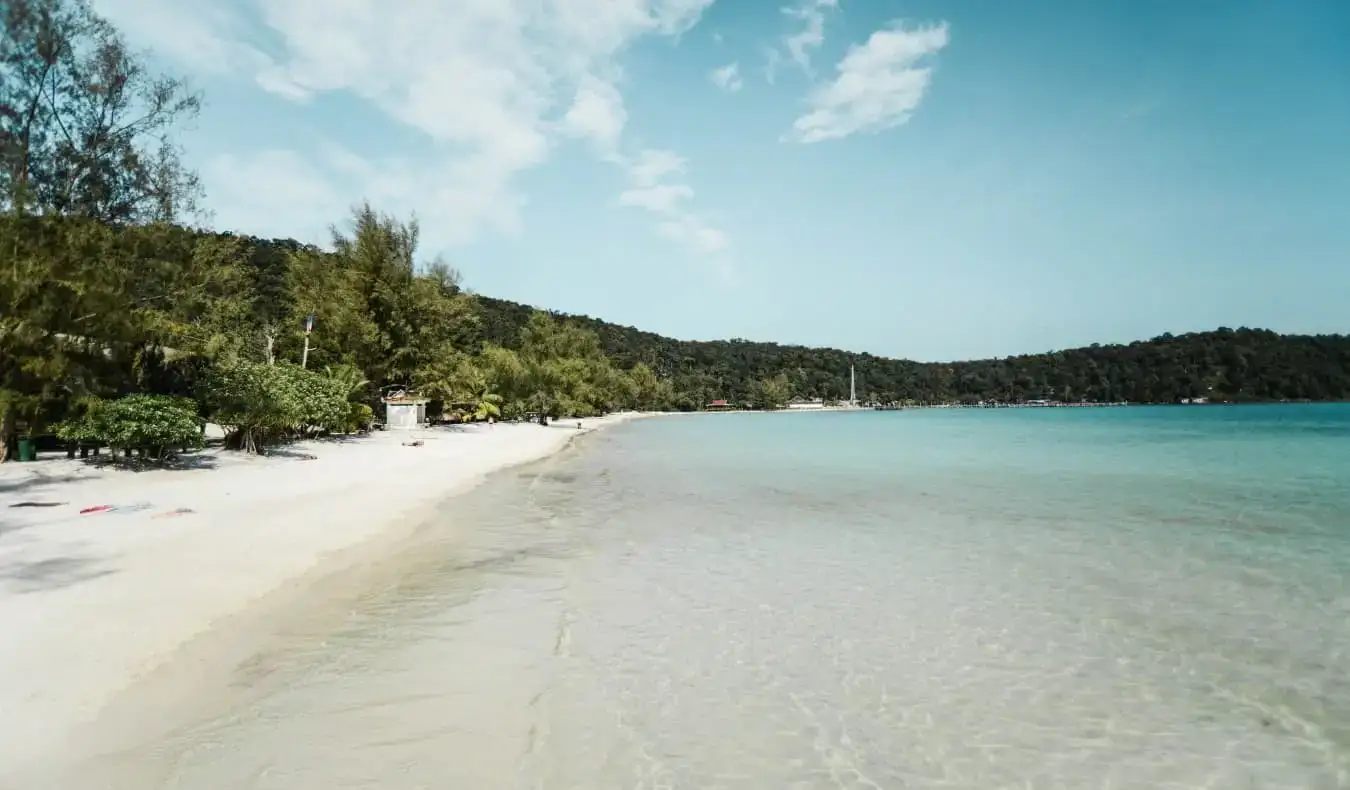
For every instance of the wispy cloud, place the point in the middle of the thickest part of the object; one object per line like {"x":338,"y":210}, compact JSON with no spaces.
{"x":652,"y":165}
{"x":203,"y":35}
{"x":877,"y":85}
{"x":773,"y":59}
{"x":275,"y":193}
{"x":491,"y":85}
{"x":658,"y":198}
{"x":597,"y":113}
{"x":728,"y":77}
{"x":808,"y":38}
{"x":655,"y":185}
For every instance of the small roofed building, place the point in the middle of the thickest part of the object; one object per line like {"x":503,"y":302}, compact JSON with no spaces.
{"x":719,"y":405}
{"x":404,"y":410}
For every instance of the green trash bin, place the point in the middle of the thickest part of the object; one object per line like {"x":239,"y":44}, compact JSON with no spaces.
{"x":27,"y":450}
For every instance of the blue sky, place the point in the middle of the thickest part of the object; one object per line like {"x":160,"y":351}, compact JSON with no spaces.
{"x":916,"y":179}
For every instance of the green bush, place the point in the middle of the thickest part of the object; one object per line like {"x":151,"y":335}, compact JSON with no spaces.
{"x":260,"y":404}
{"x":359,"y":418}
{"x":138,"y":422}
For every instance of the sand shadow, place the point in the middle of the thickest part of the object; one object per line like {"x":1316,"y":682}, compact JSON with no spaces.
{"x":290,"y":453}
{"x":456,"y":427}
{"x":9,"y":529}
{"x":179,"y":462}
{"x":50,"y":574}
{"x":288,"y":449}
{"x":37,"y":480}
{"x":338,"y":438}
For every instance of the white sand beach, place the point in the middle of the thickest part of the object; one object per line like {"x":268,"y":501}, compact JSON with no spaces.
{"x":91,"y":602}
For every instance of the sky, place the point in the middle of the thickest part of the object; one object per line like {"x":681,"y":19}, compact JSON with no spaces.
{"x":925,"y":180}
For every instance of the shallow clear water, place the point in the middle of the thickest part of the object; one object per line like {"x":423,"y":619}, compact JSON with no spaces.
{"x":1124,"y":598}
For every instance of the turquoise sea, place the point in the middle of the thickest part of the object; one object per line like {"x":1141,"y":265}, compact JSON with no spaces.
{"x":1039,"y":598}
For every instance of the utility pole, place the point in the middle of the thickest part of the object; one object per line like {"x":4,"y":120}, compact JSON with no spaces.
{"x":309,"y":325}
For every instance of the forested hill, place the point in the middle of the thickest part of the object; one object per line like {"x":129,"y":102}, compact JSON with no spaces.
{"x":1222,"y":365}
{"x":120,"y":325}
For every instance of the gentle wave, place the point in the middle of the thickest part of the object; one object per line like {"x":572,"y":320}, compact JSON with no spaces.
{"x":1126,"y":599}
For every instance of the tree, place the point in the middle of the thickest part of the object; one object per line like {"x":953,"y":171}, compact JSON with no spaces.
{"x":477,"y":400}
{"x":329,"y":288}
{"x":562,"y":370}
{"x":259,"y":404}
{"x":650,"y":392}
{"x":85,"y":126}
{"x":379,"y":254}
{"x":150,"y":423}
{"x":59,"y":300}
{"x":505,"y":374}
{"x":464,"y":384}
{"x":773,"y":392}
{"x":408,"y":319}
{"x":85,"y":133}
{"x":349,"y":378}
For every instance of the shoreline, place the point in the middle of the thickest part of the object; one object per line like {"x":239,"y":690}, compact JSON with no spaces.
{"x":91,"y":604}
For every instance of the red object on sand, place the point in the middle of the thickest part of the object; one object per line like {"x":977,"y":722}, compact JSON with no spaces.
{"x":96,"y":509}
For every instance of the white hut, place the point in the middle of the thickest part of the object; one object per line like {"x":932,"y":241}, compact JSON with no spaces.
{"x":404,"y":411}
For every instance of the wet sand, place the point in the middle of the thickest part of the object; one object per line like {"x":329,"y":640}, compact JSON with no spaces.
{"x":90,"y":603}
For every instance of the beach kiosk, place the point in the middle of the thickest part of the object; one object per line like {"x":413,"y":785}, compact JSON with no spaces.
{"x":404,"y":410}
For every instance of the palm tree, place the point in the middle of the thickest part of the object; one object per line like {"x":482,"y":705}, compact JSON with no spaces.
{"x":351,"y":378}
{"x":464,"y":387}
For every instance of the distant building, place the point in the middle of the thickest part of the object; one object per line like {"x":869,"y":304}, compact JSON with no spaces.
{"x":718,"y":405}
{"x":404,"y":411}
{"x":803,"y":403}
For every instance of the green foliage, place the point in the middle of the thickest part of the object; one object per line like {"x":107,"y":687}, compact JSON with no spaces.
{"x":467,"y":386}
{"x":102,"y":296}
{"x":650,"y":392}
{"x":141,"y":422}
{"x":86,"y":125}
{"x":1223,"y":365}
{"x":359,"y":418}
{"x":260,"y":404}
{"x":559,"y":370}
{"x":773,"y":392}
{"x":90,"y":311}
{"x":410,"y":319}
{"x":349,"y":378}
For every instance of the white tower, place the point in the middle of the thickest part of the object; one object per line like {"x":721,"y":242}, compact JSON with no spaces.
{"x":852,"y":388}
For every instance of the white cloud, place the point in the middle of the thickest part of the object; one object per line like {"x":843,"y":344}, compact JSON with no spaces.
{"x":660,"y":198}
{"x":772,"y":60}
{"x":597,"y":112}
{"x":273,"y":79}
{"x":811,"y":14}
{"x":654,"y":164}
{"x":196,"y":33}
{"x":728,"y":77}
{"x":274,"y":193}
{"x":696,"y":235}
{"x":877,"y":86}
{"x":489,"y":84}
{"x":652,"y":190}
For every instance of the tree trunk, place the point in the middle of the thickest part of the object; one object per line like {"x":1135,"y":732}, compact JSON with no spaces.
{"x":8,"y":435}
